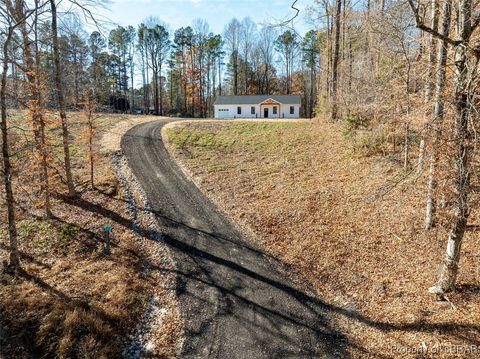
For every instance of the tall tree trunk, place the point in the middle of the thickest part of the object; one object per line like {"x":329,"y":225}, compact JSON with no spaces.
{"x":124,"y":77}
{"x":350,"y":60}
{"x":7,"y":173}
{"x":200,"y":84}
{"x":160,"y":88}
{"x":171,"y":88}
{"x":336,"y":57}
{"x":61,"y":101}
{"x":147,"y":88}
{"x":267,"y":79}
{"x":312,"y":91}
{"x":184,"y":79}
{"x":132,"y":70}
{"x":208,"y":98}
{"x":41,"y":121}
{"x":220,"y":76}
{"x":75,"y":79}
{"x":429,"y":81}
{"x":235,"y":73}
{"x":155,"y":90}
{"x":461,"y":161}
{"x":329,"y":51}
{"x":192,"y":78}
{"x":438,"y":115}
{"x":366,"y":48}
{"x":144,"y":82}
{"x":89,"y":108}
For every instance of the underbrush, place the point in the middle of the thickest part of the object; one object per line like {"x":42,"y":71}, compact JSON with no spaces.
{"x":70,"y":300}
{"x":388,"y":140}
{"x":49,"y":238}
{"x":371,"y":143}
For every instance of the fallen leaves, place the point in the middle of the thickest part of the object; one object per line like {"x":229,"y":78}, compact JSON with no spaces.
{"x":303,"y":194}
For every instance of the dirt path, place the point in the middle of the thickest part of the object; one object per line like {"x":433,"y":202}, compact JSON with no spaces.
{"x":234,"y":299}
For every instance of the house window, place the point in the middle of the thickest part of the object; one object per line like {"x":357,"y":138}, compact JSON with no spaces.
{"x":239,"y":110}
{"x":292,"y":110}
{"x":253,"y":110}
{"x":274,"y":110}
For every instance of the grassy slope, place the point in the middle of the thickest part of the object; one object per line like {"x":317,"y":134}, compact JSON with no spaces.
{"x":73,"y":301}
{"x":341,"y":221}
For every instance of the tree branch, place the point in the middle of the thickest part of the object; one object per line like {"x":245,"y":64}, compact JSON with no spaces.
{"x":475,"y":23}
{"x":286,"y":22}
{"x":421,"y":25}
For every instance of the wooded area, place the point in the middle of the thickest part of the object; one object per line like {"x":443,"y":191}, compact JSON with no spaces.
{"x":366,"y":64}
{"x":402,"y":77}
{"x":152,"y":69}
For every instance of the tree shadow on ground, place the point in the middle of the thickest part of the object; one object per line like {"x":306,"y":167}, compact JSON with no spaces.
{"x":176,"y":235}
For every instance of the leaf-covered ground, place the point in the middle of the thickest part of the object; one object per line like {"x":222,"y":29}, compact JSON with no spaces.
{"x":350,"y":225}
{"x":72,"y":301}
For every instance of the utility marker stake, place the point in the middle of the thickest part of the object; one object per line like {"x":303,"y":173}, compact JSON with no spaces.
{"x":106,"y":244}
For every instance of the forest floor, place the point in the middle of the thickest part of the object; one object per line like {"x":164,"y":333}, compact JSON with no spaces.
{"x":71,"y":300}
{"x":350,"y":224}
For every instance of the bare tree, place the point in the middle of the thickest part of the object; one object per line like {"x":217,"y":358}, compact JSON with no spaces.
{"x":431,"y":45}
{"x":157,"y":44}
{"x":232,"y":40}
{"x":61,"y":100}
{"x":462,"y":140}
{"x":266,"y":46}
{"x":18,"y":11}
{"x":438,"y":114}
{"x":247,"y":35}
{"x":89,"y":112}
{"x":287,"y":45}
{"x":335,"y":60}
{"x":7,"y":172}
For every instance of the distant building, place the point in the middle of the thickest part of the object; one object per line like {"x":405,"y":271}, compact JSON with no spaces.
{"x":258,"y":106}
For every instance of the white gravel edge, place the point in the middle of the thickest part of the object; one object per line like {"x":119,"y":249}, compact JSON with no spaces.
{"x":142,"y":341}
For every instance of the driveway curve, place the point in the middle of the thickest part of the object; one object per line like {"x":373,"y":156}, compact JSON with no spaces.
{"x":235,"y":301}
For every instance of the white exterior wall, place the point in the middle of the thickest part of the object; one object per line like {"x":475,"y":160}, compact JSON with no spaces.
{"x":286,"y":111}
{"x":230,"y":111}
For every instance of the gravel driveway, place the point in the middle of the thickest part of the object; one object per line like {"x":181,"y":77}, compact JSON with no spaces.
{"x":235,"y":301}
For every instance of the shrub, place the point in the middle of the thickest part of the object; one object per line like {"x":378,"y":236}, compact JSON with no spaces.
{"x":353,"y":122}
{"x":372,"y":143}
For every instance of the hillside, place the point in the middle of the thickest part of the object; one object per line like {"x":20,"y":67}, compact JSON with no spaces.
{"x":351,"y":225}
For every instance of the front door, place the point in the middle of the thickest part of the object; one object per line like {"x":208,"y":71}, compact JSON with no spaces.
{"x":265,"y":113}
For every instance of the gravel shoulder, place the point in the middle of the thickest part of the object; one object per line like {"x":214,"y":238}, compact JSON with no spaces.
{"x":160,"y":332}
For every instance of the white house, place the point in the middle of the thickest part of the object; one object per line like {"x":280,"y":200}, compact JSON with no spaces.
{"x":258,"y":106}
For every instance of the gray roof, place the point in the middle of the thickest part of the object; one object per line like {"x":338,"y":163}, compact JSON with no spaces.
{"x":256,"y":99}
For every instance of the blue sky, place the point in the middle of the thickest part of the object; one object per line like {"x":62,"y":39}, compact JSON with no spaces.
{"x":178,"y":13}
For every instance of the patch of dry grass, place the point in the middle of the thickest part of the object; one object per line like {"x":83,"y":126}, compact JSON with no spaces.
{"x":71,"y":301}
{"x":339,"y":219}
